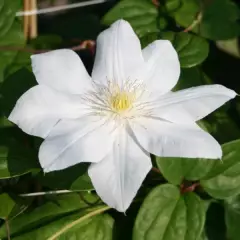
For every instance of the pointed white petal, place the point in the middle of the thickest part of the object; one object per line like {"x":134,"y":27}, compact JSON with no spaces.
{"x":62,"y":70}
{"x":168,"y":139}
{"x":192,"y":104}
{"x":40,"y":108}
{"x":120,"y":174}
{"x":162,"y":65}
{"x":88,"y":139}
{"x":118,"y":54}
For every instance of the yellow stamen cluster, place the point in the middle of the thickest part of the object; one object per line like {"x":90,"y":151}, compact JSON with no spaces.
{"x":121,"y":101}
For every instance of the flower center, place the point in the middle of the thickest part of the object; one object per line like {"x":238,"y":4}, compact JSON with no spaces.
{"x":121,"y":101}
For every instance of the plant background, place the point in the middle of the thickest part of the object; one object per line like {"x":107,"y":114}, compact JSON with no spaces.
{"x":181,"y":199}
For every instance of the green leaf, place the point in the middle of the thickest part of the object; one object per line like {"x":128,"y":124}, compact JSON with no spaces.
{"x":21,"y":60}
{"x":72,"y":178}
{"x":97,"y":228}
{"x":12,"y":39}
{"x":166,"y":215}
{"x":224,"y":128}
{"x":203,"y":236}
{"x":232,"y":217}
{"x":217,"y":19}
{"x":16,"y":159}
{"x":148,"y":38}
{"x":48,"y":212}
{"x":177,"y":169}
{"x":6,"y":205}
{"x":4,"y":122}
{"x":191,"y":77}
{"x":161,"y":216}
{"x":223,"y":180}
{"x":230,"y":46}
{"x":83,"y":182}
{"x":195,"y":216}
{"x":8,"y":11}
{"x":141,"y":14}
{"x":13,"y":87}
{"x":67,"y":218}
{"x":192,"y":50}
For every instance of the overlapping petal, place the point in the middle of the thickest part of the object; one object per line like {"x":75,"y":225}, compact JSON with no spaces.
{"x":62,"y":70}
{"x":168,"y":139}
{"x":119,"y":175}
{"x":191,"y":104}
{"x":40,"y":108}
{"x":87,"y":139}
{"x":162,"y":67}
{"x":118,"y":55}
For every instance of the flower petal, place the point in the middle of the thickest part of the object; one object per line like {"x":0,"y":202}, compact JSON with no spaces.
{"x":163,"y":67}
{"x":40,"y":108}
{"x":62,"y":70}
{"x":192,"y":104}
{"x":168,"y":139}
{"x":118,"y":54}
{"x":88,"y":139}
{"x":119,"y":175}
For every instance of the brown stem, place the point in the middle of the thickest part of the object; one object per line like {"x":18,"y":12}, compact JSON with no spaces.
{"x":156,"y":3}
{"x":87,"y":44}
{"x":190,"y":188}
{"x":156,"y":170}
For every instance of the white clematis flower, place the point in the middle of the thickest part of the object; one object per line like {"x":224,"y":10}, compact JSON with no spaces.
{"x":118,"y":116}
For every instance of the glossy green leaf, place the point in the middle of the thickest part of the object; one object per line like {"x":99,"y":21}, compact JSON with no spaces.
{"x":217,"y":19}
{"x":177,"y":169}
{"x":21,"y":60}
{"x":66,"y":218}
{"x":13,"y":87}
{"x":223,"y":180}
{"x":72,"y":178}
{"x":141,"y":14}
{"x":6,"y":205}
{"x":223,"y":127}
{"x":148,"y":38}
{"x":166,"y":215}
{"x":8,"y":11}
{"x":161,"y":216}
{"x":16,"y":159}
{"x":203,"y":236}
{"x":97,"y":228}
{"x":230,"y":46}
{"x":4,"y":122}
{"x":46,"y":213}
{"x":232,"y":217}
{"x":11,"y":40}
{"x":195,"y":216}
{"x":191,"y":77}
{"x":192,"y":50}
